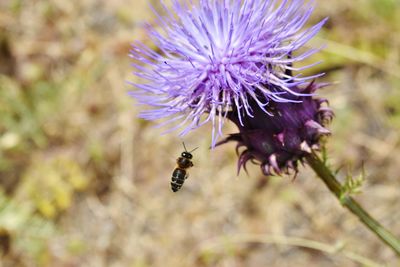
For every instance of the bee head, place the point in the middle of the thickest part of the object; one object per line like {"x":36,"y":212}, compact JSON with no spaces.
{"x":186,"y":155}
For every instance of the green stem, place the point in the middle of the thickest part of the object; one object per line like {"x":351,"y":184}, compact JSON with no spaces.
{"x":336,"y":188}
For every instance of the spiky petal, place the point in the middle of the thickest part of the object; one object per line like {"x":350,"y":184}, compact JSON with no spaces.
{"x":221,"y":55}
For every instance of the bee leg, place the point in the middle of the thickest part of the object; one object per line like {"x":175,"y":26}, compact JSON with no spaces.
{"x":187,"y":176}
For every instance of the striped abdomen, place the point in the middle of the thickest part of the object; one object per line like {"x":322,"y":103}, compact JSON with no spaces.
{"x":178,"y":178}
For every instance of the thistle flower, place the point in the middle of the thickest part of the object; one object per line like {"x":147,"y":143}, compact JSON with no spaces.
{"x":234,"y":59}
{"x":224,"y":58}
{"x":278,"y":142}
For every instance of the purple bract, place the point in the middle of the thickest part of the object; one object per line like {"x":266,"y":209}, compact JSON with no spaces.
{"x":219,"y":58}
{"x":279,"y":141}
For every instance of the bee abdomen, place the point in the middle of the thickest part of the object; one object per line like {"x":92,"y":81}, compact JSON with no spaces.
{"x":178,"y":178}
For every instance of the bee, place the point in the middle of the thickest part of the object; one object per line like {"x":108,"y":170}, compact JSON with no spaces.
{"x":179,"y":175}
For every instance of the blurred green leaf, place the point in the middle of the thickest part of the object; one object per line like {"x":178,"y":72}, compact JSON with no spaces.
{"x":29,"y":232}
{"x":50,"y":184}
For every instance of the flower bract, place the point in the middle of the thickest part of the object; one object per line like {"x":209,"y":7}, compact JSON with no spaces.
{"x":278,"y":142}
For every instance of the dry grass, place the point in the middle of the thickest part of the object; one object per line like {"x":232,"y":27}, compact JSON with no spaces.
{"x":86,"y":183}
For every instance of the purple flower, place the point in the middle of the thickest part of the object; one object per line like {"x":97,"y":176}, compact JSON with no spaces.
{"x":225,"y":58}
{"x":278,"y":142}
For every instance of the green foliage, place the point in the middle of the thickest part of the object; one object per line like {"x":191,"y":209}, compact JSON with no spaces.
{"x":25,"y":113}
{"x":208,"y":257}
{"x":16,"y":6}
{"x":385,"y":8}
{"x":49,"y":184}
{"x":352,"y":185}
{"x":325,"y":157}
{"x":76,"y":246}
{"x":28,"y":231}
{"x":19,"y":114}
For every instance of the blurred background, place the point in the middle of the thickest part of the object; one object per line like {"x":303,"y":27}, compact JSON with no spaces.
{"x":83,"y":182}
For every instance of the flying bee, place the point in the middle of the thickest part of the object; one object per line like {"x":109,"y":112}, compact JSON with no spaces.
{"x":180,"y":174}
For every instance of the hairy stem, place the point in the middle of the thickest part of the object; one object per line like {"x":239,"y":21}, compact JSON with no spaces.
{"x":336,"y":188}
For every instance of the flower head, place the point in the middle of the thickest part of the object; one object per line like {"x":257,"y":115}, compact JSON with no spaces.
{"x":217,"y":57}
{"x":278,"y":142}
